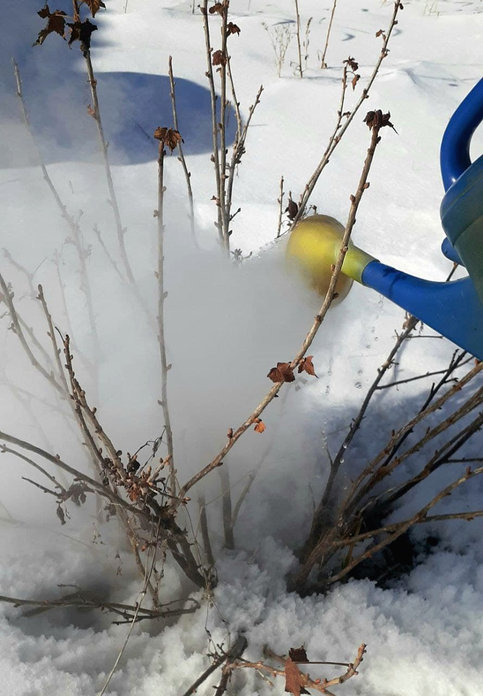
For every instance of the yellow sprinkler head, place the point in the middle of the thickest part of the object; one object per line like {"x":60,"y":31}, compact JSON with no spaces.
{"x":313,"y":248}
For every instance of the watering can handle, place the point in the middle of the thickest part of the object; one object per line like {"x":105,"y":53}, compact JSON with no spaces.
{"x":455,"y":146}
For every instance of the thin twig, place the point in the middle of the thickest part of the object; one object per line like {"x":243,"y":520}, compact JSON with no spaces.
{"x":205,"y":534}
{"x":55,"y":459}
{"x":373,"y":472}
{"x":227,"y":508}
{"x":162,"y":294}
{"x":107,"y":167}
{"x":232,"y":654}
{"x":214,"y":117}
{"x":357,"y":538}
{"x":238,"y":149}
{"x":338,"y":459}
{"x":280,"y":208}
{"x":51,"y":335}
{"x":70,"y":220}
{"x":404,"y":526}
{"x":304,"y":679}
{"x":415,"y":379}
{"x":84,"y":600}
{"x":142,"y":595}
{"x":181,"y":158}
{"x":8,"y":450}
{"x":7,"y":297}
{"x":440,"y":457}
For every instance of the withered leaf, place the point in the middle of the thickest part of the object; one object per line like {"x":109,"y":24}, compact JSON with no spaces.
{"x":60,"y":514}
{"x":81,"y":31}
{"x":55,"y":23}
{"x":260,"y":426}
{"x":380,"y":32}
{"x":217,"y":8}
{"x":306,"y":365}
{"x":218,"y":58}
{"x":282,"y":373}
{"x":94,"y":5}
{"x":232,"y":28}
{"x":355,"y":80}
{"x":376,"y":119}
{"x":353,"y":64}
{"x":168,"y":136}
{"x":298,"y":654}
{"x":45,"y":12}
{"x":292,"y":208}
{"x":294,"y":679}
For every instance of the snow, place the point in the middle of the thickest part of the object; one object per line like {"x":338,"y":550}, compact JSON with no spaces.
{"x":226,"y":326}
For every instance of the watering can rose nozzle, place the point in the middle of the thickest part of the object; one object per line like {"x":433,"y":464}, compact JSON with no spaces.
{"x":313,"y":249}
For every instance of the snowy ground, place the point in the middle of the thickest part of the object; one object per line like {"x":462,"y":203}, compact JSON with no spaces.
{"x":226,"y":327}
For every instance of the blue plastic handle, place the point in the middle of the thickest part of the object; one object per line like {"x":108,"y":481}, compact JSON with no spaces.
{"x":455,"y":146}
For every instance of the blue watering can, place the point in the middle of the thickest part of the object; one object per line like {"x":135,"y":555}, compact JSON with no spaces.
{"x":455,"y":308}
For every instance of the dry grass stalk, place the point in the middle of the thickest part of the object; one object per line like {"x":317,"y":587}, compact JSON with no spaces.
{"x":323,"y":64}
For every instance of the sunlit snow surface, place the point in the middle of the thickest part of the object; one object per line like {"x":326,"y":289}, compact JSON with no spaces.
{"x":226,"y":327}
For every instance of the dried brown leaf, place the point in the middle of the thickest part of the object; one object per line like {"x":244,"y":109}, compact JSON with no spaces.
{"x":294,"y":679}
{"x":260,"y":426}
{"x":352,"y":64}
{"x":232,"y":29}
{"x":218,"y":58}
{"x":217,"y":8}
{"x":168,"y":136}
{"x":298,"y":654}
{"x":376,"y":119}
{"x":94,"y":5}
{"x":306,"y":365}
{"x":81,"y":31}
{"x":282,"y":373}
{"x":55,"y":24}
{"x":292,"y":208}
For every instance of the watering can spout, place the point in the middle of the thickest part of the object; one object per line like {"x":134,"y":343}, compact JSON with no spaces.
{"x":452,"y":309}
